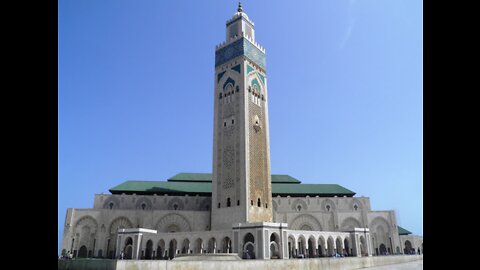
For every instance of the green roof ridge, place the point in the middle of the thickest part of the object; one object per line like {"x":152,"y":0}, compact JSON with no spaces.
{"x":186,"y":187}
{"x":403,"y":231}
{"x":207,"y":177}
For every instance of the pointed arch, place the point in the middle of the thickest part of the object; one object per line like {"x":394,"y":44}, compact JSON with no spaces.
{"x":227,"y":82}
{"x":330,"y":246}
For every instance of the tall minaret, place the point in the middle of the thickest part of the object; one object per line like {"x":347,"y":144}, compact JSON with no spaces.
{"x":241,"y":151}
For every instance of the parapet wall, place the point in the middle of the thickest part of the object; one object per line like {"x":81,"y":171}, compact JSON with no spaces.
{"x":304,"y":264}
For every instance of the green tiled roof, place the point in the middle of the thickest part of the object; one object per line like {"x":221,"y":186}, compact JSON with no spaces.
{"x":192,"y":177}
{"x":402,"y":231}
{"x":284,"y":178}
{"x":205,"y":188}
{"x":162,"y":187}
{"x":207,"y":177}
{"x":310,"y":189}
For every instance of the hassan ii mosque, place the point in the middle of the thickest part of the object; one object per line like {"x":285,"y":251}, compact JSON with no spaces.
{"x":240,"y":207}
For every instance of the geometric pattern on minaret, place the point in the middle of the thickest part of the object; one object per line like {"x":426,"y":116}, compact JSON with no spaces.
{"x":241,"y":180}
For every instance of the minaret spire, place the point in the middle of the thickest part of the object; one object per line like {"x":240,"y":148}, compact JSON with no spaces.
{"x":240,"y":7}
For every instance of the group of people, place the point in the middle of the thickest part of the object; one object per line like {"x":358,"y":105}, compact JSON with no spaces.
{"x":67,"y":256}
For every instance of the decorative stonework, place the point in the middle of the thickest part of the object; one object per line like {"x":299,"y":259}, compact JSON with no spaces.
{"x":175,"y":204}
{"x":349,"y":223}
{"x":228,"y":182}
{"x":379,"y":223}
{"x":237,"y":48}
{"x":228,"y":156}
{"x":88,"y":221}
{"x":257,"y":152}
{"x":305,"y":222}
{"x":112,"y":201}
{"x":169,"y":221}
{"x":299,"y":205}
{"x":328,"y":205}
{"x":228,"y":84}
{"x":356,"y":205}
{"x":144,"y":204}
{"x":119,"y":223}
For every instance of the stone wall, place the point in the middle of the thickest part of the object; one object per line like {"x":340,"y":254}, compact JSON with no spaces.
{"x":152,"y":202}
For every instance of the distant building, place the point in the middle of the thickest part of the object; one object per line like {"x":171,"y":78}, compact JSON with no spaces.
{"x":241,"y":207}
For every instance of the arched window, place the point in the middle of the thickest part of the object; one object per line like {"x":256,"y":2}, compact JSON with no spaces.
{"x":251,"y":202}
{"x":299,"y":208}
{"x":259,"y":203}
{"x":175,"y":206}
{"x":355,"y":207}
{"x":238,"y":202}
{"x":218,"y":205}
{"x":228,"y":202}
{"x":143,"y":206}
{"x":328,"y":208}
{"x":110,"y":205}
{"x":266,"y":205}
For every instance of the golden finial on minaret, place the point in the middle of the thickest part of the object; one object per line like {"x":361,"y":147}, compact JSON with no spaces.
{"x":240,"y":7}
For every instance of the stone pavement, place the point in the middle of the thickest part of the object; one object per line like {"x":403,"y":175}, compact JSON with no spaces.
{"x":415,"y":265}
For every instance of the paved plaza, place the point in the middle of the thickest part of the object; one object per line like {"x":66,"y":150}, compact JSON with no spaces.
{"x":415,"y":265}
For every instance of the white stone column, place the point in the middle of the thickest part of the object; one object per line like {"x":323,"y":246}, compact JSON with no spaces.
{"x":118,"y":246}
{"x":296,"y":248}
{"x":283,"y":244}
{"x":370,"y":248}
{"x":136,"y":246}
{"x":357,"y":250}
{"x":307,"y":249}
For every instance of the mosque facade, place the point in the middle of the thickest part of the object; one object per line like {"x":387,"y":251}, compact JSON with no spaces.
{"x":240,"y":207}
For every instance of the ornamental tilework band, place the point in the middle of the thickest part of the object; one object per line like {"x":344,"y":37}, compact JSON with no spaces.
{"x":240,"y":47}
{"x":249,"y":69}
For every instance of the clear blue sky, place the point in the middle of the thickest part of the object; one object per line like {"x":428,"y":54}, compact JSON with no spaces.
{"x":135,"y":94}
